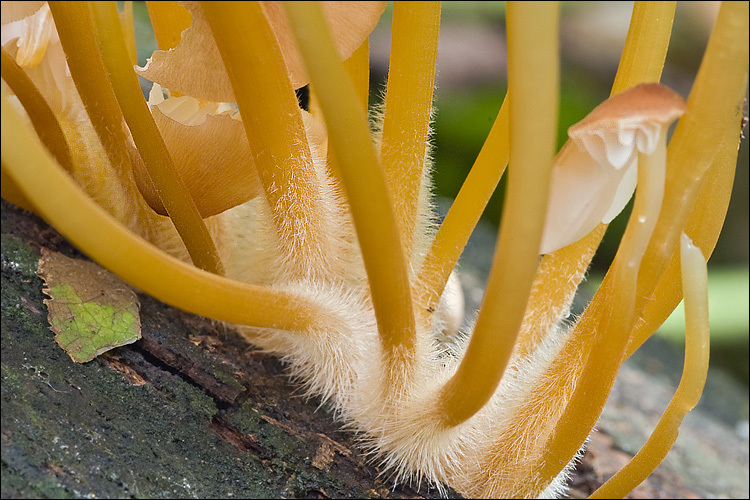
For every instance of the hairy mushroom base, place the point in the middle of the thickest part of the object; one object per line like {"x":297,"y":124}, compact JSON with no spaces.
{"x":313,"y":234}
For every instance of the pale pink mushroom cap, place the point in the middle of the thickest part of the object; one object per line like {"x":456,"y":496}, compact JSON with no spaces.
{"x":594,"y":175}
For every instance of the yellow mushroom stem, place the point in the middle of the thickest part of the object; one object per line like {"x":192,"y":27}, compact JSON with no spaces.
{"x":275,"y":132}
{"x":358,"y":69}
{"x":464,"y":214}
{"x":42,"y":118}
{"x":646,"y":47}
{"x":127,"y":23}
{"x":607,"y":346}
{"x":408,"y":107}
{"x":169,"y":20}
{"x":704,"y":226}
{"x":67,"y":207}
{"x":533,"y":81}
{"x":713,"y":103}
{"x":167,"y":182}
{"x":695,"y":369}
{"x":561,"y":272}
{"x":10,"y":191}
{"x":73,"y":22}
{"x":363,"y":180}
{"x":712,"y":118}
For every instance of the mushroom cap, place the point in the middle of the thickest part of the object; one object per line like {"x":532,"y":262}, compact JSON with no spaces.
{"x":626,"y":123}
{"x":594,"y":176}
{"x":15,"y":11}
{"x":647,"y":102}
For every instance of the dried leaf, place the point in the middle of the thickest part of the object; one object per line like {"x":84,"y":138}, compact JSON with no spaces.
{"x":90,"y":309}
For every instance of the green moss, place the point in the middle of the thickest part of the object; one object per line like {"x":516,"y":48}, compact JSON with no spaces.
{"x":248,"y":420}
{"x":19,"y":256}
{"x":292,"y":456}
{"x":78,"y":430}
{"x":224,"y":378}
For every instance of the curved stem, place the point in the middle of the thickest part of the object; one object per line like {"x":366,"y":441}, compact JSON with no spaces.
{"x":40,"y":114}
{"x":703,"y":227}
{"x":533,"y":70}
{"x":349,"y":137}
{"x":465,"y":212}
{"x":695,"y":369}
{"x":616,"y":319}
{"x":64,"y":205}
{"x":172,"y":191}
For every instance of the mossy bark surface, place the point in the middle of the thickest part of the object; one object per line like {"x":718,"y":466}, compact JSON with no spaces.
{"x":191,"y":410}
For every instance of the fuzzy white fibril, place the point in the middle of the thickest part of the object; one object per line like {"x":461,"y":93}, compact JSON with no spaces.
{"x":343,"y":363}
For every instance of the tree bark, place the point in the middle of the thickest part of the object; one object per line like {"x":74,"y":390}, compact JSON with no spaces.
{"x":190,"y":410}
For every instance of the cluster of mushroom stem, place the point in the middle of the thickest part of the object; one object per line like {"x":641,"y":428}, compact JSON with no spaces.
{"x":359,"y":273}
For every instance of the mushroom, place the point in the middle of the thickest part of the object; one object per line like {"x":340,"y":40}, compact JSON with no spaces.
{"x":595,"y":173}
{"x":205,"y":138}
{"x":207,"y":143}
{"x":209,"y":150}
{"x":31,"y":23}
